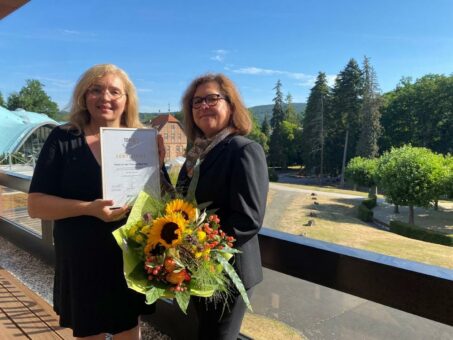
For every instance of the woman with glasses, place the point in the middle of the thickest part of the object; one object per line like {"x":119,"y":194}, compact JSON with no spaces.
{"x":232,"y":175}
{"x":90,"y":293}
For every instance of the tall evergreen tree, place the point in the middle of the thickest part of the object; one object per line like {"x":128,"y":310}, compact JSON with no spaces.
{"x":277,"y":156}
{"x":344,"y":119}
{"x":367,"y":145}
{"x":290,"y":111}
{"x":278,"y":113}
{"x":32,"y":97}
{"x":2,"y":101}
{"x":313,"y":133}
{"x":265,"y":126}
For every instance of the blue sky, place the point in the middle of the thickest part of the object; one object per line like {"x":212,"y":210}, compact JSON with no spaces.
{"x":163,"y":45}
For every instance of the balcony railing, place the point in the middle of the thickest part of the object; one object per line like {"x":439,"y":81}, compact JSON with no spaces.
{"x":419,"y":289}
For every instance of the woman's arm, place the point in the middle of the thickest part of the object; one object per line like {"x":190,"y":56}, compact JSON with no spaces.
{"x":49,"y":207}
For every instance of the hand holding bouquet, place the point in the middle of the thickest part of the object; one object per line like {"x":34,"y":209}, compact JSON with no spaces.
{"x":172,"y":248}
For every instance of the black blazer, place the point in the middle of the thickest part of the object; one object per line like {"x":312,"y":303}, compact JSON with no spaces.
{"x":233,"y":176}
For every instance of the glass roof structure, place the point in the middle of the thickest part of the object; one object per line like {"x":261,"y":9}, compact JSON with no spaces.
{"x":16,"y":127}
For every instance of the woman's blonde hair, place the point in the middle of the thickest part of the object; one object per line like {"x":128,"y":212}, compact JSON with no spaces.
{"x":79,"y":116}
{"x":240,"y":116}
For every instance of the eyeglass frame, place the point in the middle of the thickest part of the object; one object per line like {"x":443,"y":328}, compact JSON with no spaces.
{"x":204,"y":99}
{"x":92,"y":91}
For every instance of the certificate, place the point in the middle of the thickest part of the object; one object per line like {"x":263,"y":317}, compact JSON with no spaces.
{"x":130,"y":164}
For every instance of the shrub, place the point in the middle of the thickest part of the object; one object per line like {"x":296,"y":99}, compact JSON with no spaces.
{"x":362,"y":171}
{"x":415,"y":232}
{"x":370,"y":203}
{"x":364,"y":213}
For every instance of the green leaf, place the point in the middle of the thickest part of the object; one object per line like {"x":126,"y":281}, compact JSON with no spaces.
{"x":154,"y":294}
{"x":183,"y":299}
{"x":229,"y":269}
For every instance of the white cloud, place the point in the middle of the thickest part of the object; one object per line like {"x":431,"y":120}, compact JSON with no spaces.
{"x":70,"y":31}
{"x":219,"y":55}
{"x":144,"y":90}
{"x":55,"y":82}
{"x":306,"y":79}
{"x":257,"y":71}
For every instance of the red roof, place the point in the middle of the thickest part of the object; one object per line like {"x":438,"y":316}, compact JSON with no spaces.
{"x":161,"y":120}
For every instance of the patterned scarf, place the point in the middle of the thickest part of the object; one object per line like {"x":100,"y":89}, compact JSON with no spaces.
{"x":202,"y":146}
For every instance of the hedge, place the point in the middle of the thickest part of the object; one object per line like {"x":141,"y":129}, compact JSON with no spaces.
{"x":415,"y":232}
{"x":364,"y":213}
{"x":370,"y":203}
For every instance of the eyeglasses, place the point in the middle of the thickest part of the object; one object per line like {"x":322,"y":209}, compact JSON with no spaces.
{"x":97,"y":92}
{"x":210,"y":100}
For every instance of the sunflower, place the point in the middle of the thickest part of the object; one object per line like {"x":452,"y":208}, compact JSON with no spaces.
{"x":182,"y":207}
{"x":166,"y":231}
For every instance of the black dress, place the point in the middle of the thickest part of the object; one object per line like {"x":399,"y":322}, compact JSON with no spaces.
{"x":90,"y":292}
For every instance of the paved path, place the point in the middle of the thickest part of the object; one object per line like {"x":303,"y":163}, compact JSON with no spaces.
{"x":280,"y":201}
{"x":282,"y":187}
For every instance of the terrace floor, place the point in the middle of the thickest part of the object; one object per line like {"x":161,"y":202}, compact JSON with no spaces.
{"x":25,"y":315}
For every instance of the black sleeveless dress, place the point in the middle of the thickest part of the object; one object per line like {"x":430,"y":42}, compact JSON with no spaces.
{"x":90,"y":293}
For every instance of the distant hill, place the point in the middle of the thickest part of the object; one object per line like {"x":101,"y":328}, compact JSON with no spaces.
{"x":260,"y":110}
{"x":145,"y":117}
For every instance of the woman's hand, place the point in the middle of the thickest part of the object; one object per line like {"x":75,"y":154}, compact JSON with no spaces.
{"x":49,"y":207}
{"x":161,"y":149}
{"x":101,"y":209}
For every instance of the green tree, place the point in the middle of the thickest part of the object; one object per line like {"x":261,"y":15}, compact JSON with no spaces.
{"x":362,"y":171}
{"x":313,"y":133}
{"x":449,"y":176}
{"x":291,"y":136}
{"x":32,"y":97}
{"x":265,"y":126}
{"x":367,"y":145}
{"x":409,"y":176}
{"x":179,"y":115}
{"x":419,"y":113}
{"x":277,"y":156}
{"x":344,"y":119}
{"x":2,"y":101}
{"x":290,"y":111}
{"x":257,"y":135}
{"x":278,"y":113}
{"x":277,"y":148}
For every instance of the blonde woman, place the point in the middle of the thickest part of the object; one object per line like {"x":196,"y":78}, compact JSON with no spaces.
{"x":90,"y":292}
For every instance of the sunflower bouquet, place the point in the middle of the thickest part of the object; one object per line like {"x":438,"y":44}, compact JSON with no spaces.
{"x":173,"y":248}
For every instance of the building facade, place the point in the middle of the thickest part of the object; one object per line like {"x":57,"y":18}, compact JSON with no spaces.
{"x":173,"y":133}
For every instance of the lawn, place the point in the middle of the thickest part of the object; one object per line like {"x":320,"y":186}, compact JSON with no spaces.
{"x":334,"y":220}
